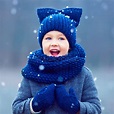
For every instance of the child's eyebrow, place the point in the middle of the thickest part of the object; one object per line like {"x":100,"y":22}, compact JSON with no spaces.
{"x":60,"y":34}
{"x":48,"y":34}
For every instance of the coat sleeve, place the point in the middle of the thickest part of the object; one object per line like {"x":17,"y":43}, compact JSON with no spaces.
{"x":21,"y":104}
{"x":90,"y":103}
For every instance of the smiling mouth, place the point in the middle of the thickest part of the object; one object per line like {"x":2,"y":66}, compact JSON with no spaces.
{"x":54,"y":52}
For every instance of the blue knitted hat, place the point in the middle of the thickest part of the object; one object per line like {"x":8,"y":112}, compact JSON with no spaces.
{"x":65,"y":21}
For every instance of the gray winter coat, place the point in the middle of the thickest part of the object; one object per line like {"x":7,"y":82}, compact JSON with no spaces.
{"x":83,"y":85}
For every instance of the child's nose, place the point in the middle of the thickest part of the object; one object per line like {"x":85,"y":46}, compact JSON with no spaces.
{"x":54,"y":43}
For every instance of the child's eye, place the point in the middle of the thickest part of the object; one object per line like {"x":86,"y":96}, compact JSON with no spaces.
{"x":48,"y":38}
{"x":61,"y":38}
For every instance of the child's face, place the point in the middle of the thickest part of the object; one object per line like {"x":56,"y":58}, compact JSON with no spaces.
{"x":55,"y":44}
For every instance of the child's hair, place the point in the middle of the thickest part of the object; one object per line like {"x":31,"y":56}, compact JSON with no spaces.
{"x":65,"y":21}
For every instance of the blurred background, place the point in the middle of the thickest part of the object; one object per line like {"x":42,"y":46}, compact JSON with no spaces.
{"x":18,"y":37}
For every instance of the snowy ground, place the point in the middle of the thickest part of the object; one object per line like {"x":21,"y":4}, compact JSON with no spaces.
{"x":10,"y":78}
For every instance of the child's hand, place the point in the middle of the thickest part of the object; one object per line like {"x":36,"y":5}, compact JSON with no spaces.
{"x":68,"y":102}
{"x":44,"y":98}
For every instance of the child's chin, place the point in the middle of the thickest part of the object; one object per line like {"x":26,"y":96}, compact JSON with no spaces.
{"x":55,"y":55}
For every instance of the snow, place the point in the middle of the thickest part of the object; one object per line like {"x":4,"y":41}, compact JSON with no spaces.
{"x":3,"y":84}
{"x":13,"y":11}
{"x":86,"y":17}
{"x":15,"y":2}
{"x":35,"y":31}
{"x":41,"y":67}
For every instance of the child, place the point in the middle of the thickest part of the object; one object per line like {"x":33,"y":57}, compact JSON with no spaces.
{"x":55,"y":80}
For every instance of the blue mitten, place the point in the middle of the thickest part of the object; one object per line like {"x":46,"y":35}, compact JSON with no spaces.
{"x":44,"y":98}
{"x":67,"y":102}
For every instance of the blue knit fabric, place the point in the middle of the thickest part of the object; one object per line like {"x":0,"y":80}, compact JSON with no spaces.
{"x":83,"y":85}
{"x":67,"y":101}
{"x":44,"y":98}
{"x":74,"y":13}
{"x":65,"y":21}
{"x":47,"y":69}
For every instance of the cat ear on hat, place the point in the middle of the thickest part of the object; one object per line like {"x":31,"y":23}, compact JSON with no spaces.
{"x":74,"y":14}
{"x":44,"y":12}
